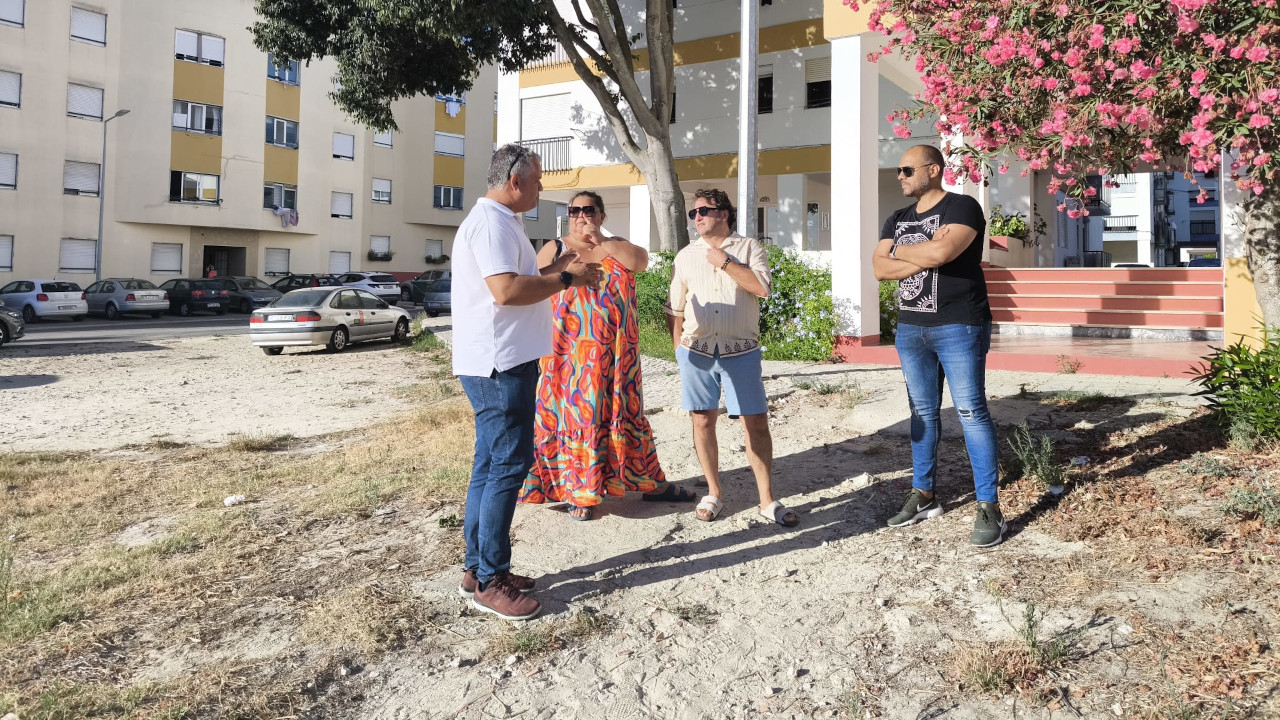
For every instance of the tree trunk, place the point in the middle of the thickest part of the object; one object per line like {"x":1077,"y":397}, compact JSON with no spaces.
{"x":665,"y":195}
{"x":1262,"y":249}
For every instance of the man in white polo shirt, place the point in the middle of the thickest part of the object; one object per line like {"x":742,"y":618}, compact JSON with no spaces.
{"x":501,"y":327}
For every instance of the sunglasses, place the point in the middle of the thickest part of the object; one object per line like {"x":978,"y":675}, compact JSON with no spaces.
{"x":588,"y":210}
{"x":908,"y":171}
{"x":521,"y":154}
{"x":701,"y":212}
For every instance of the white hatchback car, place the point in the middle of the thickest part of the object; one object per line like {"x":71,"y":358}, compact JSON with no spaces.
{"x":332,"y":316}
{"x":383,"y":285}
{"x":37,"y":299}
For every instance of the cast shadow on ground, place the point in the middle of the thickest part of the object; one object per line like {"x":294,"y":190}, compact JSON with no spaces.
{"x":16,"y":382}
{"x":37,"y":349}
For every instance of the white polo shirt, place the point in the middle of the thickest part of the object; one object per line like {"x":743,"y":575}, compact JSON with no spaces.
{"x":486,"y":336}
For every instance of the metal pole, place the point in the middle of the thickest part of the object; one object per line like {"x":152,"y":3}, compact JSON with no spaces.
{"x":102,"y":195}
{"x":747,"y":103}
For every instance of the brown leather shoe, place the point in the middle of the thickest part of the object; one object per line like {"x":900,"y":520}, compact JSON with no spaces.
{"x":503,"y":599}
{"x":468,"y":586}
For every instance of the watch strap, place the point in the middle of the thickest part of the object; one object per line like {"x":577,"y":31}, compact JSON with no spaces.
{"x":724,"y":265}
{"x":566,"y":277}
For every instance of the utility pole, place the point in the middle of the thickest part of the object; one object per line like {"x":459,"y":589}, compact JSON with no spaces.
{"x":747,"y":104}
{"x":102,"y":195}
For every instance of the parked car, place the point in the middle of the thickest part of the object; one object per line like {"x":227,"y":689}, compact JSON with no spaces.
{"x":1131,"y":265}
{"x":438,"y":298}
{"x":114,"y":297}
{"x":186,"y":295}
{"x":1205,"y":262}
{"x":385,"y":286}
{"x":38,"y":299}
{"x":334,"y":317}
{"x":11,"y":325}
{"x":412,"y":290}
{"x":248,"y":292}
{"x":293,"y":282}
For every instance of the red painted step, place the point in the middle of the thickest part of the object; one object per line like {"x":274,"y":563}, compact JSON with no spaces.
{"x":1196,"y":320}
{"x":1113,"y":302}
{"x":1095,"y":289}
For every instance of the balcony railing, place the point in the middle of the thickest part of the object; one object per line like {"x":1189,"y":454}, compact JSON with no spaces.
{"x":554,"y":152}
{"x":1120,"y":223}
{"x":557,"y":57}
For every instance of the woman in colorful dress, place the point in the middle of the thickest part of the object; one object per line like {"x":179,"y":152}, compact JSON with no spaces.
{"x":591,"y":436}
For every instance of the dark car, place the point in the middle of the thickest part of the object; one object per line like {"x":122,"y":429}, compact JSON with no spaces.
{"x":412,"y":290}
{"x":293,"y":282}
{"x":1205,"y":262}
{"x":438,"y":298}
{"x":248,"y":293}
{"x":11,"y":325}
{"x":186,"y":295}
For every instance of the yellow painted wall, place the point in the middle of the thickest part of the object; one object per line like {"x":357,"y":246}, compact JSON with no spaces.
{"x":280,"y":165}
{"x":1241,"y":303}
{"x":450,"y":171}
{"x":839,"y":21}
{"x":194,"y":82}
{"x":444,"y":123}
{"x":193,"y":152}
{"x":784,"y":161}
{"x":283,"y":101}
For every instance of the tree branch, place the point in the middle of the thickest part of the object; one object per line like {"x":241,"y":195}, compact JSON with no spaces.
{"x":619,"y":51}
{"x":659,"y":30}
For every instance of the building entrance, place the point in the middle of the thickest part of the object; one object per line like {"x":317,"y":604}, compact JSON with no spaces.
{"x":227,"y":260}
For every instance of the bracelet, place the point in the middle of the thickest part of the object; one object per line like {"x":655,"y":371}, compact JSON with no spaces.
{"x":726,"y":262}
{"x":892,"y":250}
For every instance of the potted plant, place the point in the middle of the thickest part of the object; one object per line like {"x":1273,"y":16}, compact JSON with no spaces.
{"x":1003,"y":226}
{"x":380,"y":256}
{"x":437,"y":259}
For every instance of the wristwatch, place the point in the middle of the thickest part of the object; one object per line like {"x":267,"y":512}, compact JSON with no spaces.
{"x":893,"y":250}
{"x":566,"y":277}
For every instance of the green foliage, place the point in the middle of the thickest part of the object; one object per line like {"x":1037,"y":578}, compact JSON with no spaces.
{"x":888,"y":310}
{"x":1015,"y":225}
{"x":798,"y":319}
{"x":653,"y":286}
{"x":1243,"y":385}
{"x":1262,"y":503}
{"x":1035,"y":456}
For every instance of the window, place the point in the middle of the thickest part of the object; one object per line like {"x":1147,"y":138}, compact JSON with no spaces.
{"x":448,"y":197}
{"x":6,"y":252}
{"x":193,"y":187}
{"x":80,"y":178}
{"x":283,"y":133}
{"x":11,"y":12}
{"x":198,"y":47}
{"x":532,"y":214}
{"x":339,"y":262}
{"x":166,"y":257}
{"x":546,"y":116}
{"x":84,"y":101}
{"x":817,"y":83}
{"x":10,"y":88}
{"x":195,"y":117}
{"x":380,"y":245}
{"x":451,"y":144}
{"x":286,"y":73}
{"x":277,"y":261}
{"x":382,"y":191}
{"x":76,"y":255}
{"x":1125,"y":184}
{"x":279,"y":195}
{"x":344,"y":146}
{"x":435,"y":248}
{"x":340,"y":205}
{"x":88,"y":26}
{"x":8,"y":171}
{"x":764,"y":90}
{"x":383,"y":139}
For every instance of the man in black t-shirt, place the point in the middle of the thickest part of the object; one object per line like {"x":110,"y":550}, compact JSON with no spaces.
{"x":934,"y":250}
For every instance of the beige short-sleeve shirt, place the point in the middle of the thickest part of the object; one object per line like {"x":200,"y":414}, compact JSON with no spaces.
{"x":718,"y":314}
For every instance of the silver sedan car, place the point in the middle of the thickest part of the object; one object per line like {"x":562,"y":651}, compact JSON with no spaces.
{"x":330,"y":316}
{"x":114,"y":297}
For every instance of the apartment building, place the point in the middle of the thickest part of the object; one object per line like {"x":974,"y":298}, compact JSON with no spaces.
{"x":215,"y":154}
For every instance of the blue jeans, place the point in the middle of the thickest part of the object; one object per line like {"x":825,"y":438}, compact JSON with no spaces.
{"x":504,"y":407}
{"x":958,"y":354}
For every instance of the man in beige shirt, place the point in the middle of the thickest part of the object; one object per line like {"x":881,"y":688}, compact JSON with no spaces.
{"x":714,"y":315}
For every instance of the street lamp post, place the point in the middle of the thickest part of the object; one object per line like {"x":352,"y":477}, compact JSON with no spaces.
{"x":102,"y":194}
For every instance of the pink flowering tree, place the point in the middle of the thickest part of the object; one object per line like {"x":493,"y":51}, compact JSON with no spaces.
{"x":1081,"y":89}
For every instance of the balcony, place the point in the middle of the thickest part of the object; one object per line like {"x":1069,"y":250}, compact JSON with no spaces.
{"x":1122,"y":223}
{"x":554,"y":152}
{"x":557,"y":57}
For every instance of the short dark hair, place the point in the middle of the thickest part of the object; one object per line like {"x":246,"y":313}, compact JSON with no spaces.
{"x":720,"y":200}
{"x":595,"y":199}
{"x":932,"y":155}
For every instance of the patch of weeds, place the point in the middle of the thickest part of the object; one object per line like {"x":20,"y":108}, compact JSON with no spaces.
{"x":449,"y":522}
{"x":1023,"y":392}
{"x":163,"y":444}
{"x":1205,"y":464}
{"x":693,"y":613}
{"x":179,"y":544}
{"x":371,"y":618}
{"x":1080,"y":401}
{"x":550,"y":636}
{"x":1035,"y":456}
{"x":989,"y":668}
{"x":430,"y":392}
{"x":427,"y":342}
{"x":850,"y":704}
{"x":1255,"y":503}
{"x":74,"y":700}
{"x":655,"y":341}
{"x":28,"y":608}
{"x":1068,"y":365}
{"x":1045,"y":653}
{"x":1242,"y":436}
{"x":259,"y":443}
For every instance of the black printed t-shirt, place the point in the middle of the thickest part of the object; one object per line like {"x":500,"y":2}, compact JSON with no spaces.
{"x":955,"y":293}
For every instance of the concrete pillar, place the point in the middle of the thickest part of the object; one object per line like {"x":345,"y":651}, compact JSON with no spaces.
{"x":791,"y":213}
{"x":855,"y":221}
{"x":508,"y":108}
{"x":643,"y":230}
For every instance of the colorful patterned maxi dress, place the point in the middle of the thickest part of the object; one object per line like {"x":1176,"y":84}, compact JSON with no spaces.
{"x":591,"y":437}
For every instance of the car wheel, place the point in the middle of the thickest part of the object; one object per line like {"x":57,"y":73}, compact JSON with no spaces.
{"x":246,"y":307}
{"x":273,"y":350}
{"x":338,"y":341}
{"x":28,"y":314}
{"x":405,"y":295}
{"x":157,"y":315}
{"x":4,"y":333}
{"x":402,"y":331}
{"x":184,"y":310}
{"x":113,"y":313}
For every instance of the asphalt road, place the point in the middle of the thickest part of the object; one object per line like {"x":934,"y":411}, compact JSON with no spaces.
{"x":133,"y":328}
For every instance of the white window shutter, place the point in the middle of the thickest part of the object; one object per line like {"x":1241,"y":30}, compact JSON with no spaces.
{"x":544,"y":117}
{"x":451,"y":144}
{"x":382,"y":138}
{"x":166,"y":257}
{"x":435,"y":248}
{"x":213,"y":49}
{"x":186,"y":45}
{"x":817,"y":70}
{"x":84,"y":100}
{"x":10,"y":88}
{"x":344,"y":145}
{"x":277,"y":261}
{"x":76,"y":255}
{"x":380,"y":243}
{"x":89,"y":26}
{"x":340,"y":205}
{"x":339,"y":262}
{"x":11,"y":11}
{"x":81,"y":177}
{"x":6,"y":252}
{"x":8,"y":170}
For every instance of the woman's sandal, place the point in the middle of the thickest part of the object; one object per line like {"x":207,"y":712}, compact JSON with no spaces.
{"x":588,"y":512}
{"x":671,"y":493}
{"x":709,"y":505}
{"x":777,"y":512}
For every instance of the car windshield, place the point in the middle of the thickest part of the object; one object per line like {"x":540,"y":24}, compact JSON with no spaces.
{"x":302,"y":298}
{"x":140,"y":285}
{"x":439,"y":286}
{"x":59,"y":287}
{"x":328,"y":281}
{"x":251,"y":283}
{"x":383,"y":279}
{"x":209,"y":285}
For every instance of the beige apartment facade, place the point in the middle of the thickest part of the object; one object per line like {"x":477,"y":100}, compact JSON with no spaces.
{"x":224,"y":157}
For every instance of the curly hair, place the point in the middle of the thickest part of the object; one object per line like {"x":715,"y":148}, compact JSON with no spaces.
{"x":720,"y":200}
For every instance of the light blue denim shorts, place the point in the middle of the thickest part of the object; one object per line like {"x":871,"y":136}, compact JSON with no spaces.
{"x":702,"y":377}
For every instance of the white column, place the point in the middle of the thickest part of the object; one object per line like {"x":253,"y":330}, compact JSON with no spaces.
{"x":855,"y":221}
{"x":791,"y":212}
{"x":642,"y":228}
{"x":508,"y":108}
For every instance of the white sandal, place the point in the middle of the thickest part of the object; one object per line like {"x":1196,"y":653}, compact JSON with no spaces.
{"x":777,"y":512}
{"x":711,"y":505}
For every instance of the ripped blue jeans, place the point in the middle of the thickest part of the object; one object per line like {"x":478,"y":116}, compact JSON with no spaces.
{"x":958,"y":354}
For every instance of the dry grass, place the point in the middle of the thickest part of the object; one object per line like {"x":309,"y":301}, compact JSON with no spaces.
{"x":253,"y":442}
{"x":549,"y":636}
{"x":368,"y":618}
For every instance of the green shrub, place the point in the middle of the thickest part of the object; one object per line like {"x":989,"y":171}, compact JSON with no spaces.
{"x":888,"y":311}
{"x":652,"y":288}
{"x":1261,"y":503}
{"x":1243,"y":385}
{"x":798,"y":319}
{"x":1035,"y":456}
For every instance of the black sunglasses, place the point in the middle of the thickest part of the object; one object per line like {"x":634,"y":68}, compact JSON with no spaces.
{"x":908,"y":170}
{"x":702,"y":211}
{"x":588,"y":210}
{"x":521,"y":154}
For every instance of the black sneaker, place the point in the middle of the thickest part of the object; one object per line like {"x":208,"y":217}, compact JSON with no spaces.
{"x":915,"y":509}
{"x":989,"y":526}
